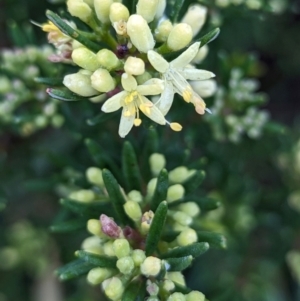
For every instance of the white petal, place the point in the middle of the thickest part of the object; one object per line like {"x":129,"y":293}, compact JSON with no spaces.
{"x":113,"y":103}
{"x":165,"y":102}
{"x":128,"y":82}
{"x":150,"y":89}
{"x":186,"y":57}
{"x":157,"y":61}
{"x":126,"y":124}
{"x":155,"y":114}
{"x":195,"y":74}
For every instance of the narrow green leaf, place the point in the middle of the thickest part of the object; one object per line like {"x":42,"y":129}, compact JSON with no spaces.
{"x":193,"y":182}
{"x":181,"y":289}
{"x":215,"y":240}
{"x":73,"y":33}
{"x":74,"y":269}
{"x":68,"y":226}
{"x":101,"y":118}
{"x":179,"y":264}
{"x":156,"y":228}
{"x":130,"y":167}
{"x":64,"y":95}
{"x":170,"y":236}
{"x":101,"y":261}
{"x":194,"y":250}
{"x":135,"y":291}
{"x":49,"y":81}
{"x":116,"y":197}
{"x":205,"y":204}
{"x":161,"y":189}
{"x":175,"y":9}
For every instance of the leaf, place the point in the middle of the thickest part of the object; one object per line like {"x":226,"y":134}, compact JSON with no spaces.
{"x":101,"y":118}
{"x":73,"y":33}
{"x":175,"y":9}
{"x":64,"y":95}
{"x":102,"y":261}
{"x":181,"y":289}
{"x":135,"y":291}
{"x":116,"y":197}
{"x":194,"y":250}
{"x":130,"y":167}
{"x":156,"y":228}
{"x":49,"y":81}
{"x":170,"y":236}
{"x":193,"y":182}
{"x":179,"y":264}
{"x":215,"y":240}
{"x":161,"y":189}
{"x":74,"y":269}
{"x":68,"y":226}
{"x":205,"y":204}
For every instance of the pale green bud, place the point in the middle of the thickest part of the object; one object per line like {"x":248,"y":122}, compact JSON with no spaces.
{"x":85,"y":58}
{"x":195,"y":296}
{"x":146,"y":221}
{"x":41,"y":121}
{"x":102,"y":8}
{"x":79,"y":9}
{"x":151,"y":266}
{"x":201,"y":55}
{"x":152,"y":288}
{"x":175,"y":192}
{"x":140,"y":33}
{"x":76,"y":44}
{"x":125,"y":265}
{"x":83,"y":195}
{"x":141,"y":79}
{"x":107,"y":59}
{"x":93,"y":244}
{"x":180,"y":36}
{"x":222,"y":3}
{"x":176,"y":297}
{"x":168,"y":285}
{"x":205,"y":88}
{"x":160,"y":8}
{"x":57,"y":121}
{"x":176,"y":277}
{"x":133,"y":210}
{"x":253,"y":4}
{"x":147,"y":9}
{"x":138,"y":257}
{"x":163,"y":30}
{"x":98,"y":98}
{"x":151,"y":187}
{"x":94,"y":176}
{"x":135,"y":195}
{"x":98,"y":275}
{"x":113,"y":288}
{"x":121,"y":247}
{"x":190,"y":208}
{"x":89,"y":2}
{"x":80,"y":83}
{"x":182,"y":218}
{"x":5,"y":85}
{"x":157,"y":163}
{"x":178,"y":227}
{"x":134,"y":66}
{"x":180,"y":174}
{"x":109,"y":249}
{"x":102,"y":81}
{"x":94,"y":227}
{"x":187,"y":237}
{"x":118,"y":12}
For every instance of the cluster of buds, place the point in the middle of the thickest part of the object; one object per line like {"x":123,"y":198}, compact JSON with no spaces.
{"x":241,"y":96}
{"x":24,"y":105}
{"x":129,"y":67}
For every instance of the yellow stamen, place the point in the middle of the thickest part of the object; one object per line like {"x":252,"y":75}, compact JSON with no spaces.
{"x":48,"y":27}
{"x":130,"y":98}
{"x":187,"y":94}
{"x":175,"y":126}
{"x":137,"y":122}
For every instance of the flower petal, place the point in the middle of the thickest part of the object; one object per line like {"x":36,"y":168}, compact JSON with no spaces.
{"x":186,"y":57}
{"x":150,"y":89}
{"x":128,"y":82}
{"x":165,"y":102}
{"x":195,"y":74}
{"x":157,"y":61}
{"x":126,"y":124}
{"x":113,"y":103}
{"x":153,"y":112}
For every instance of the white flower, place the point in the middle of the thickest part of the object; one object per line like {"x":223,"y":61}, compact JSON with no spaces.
{"x":175,"y":75}
{"x":133,"y":99}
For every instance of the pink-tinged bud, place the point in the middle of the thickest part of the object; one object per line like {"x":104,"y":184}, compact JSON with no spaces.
{"x":109,"y":227}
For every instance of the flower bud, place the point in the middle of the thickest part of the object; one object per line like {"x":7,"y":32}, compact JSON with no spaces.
{"x":175,"y":192}
{"x":135,"y":195}
{"x":107,"y":59}
{"x":94,"y":176}
{"x":79,"y":9}
{"x":182,"y":218}
{"x":83,"y":195}
{"x":201,"y":55}
{"x":120,"y":27}
{"x":157,"y":163}
{"x":180,"y":174}
{"x":133,"y":210}
{"x":141,"y":79}
{"x":80,"y":83}
{"x":205,"y":88}
{"x":195,"y":17}
{"x":118,"y":12}
{"x":147,"y":9}
{"x":138,"y":257}
{"x":151,"y":266}
{"x":85,"y":58}
{"x":109,"y":227}
{"x":113,"y":288}
{"x":176,"y":297}
{"x":176,"y":277}
{"x":180,"y":36}
{"x":168,"y":285}
{"x":152,"y":288}
{"x":121,"y":247}
{"x":146,"y":221}
{"x":94,"y":227}
{"x":190,"y":208}
{"x":195,"y":296}
{"x":187,"y":237}
{"x":160,"y":8}
{"x":140,"y":33}
{"x":102,"y":81}
{"x":108,"y":249}
{"x":163,"y":30}
{"x":151,"y":187}
{"x":93,"y":244}
{"x":98,"y":275}
{"x":134,"y":66}
{"x":125,"y":265}
{"x":102,"y":8}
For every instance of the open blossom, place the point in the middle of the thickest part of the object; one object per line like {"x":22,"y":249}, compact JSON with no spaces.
{"x":133,"y":99}
{"x":175,"y":75}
